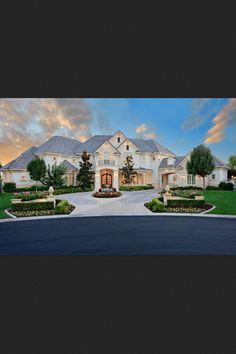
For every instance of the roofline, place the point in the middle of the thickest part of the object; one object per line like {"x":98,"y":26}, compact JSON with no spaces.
{"x":103,"y":144}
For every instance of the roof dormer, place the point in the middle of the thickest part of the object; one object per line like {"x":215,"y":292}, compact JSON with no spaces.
{"x":117,"y":139}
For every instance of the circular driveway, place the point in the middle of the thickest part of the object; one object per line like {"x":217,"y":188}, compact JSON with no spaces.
{"x":129,"y":203}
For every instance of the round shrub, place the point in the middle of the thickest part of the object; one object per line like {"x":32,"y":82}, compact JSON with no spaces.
{"x":226,"y":186}
{"x":156,"y":206}
{"x":62,"y":207}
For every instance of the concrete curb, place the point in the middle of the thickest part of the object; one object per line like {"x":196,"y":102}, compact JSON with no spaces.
{"x":9,"y":214}
{"x":119,"y":215}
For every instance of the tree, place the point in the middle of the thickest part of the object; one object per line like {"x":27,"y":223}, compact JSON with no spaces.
{"x":128,"y":170}
{"x":55,"y":176}
{"x":85,"y":175}
{"x":232,"y":165}
{"x":232,"y":162}
{"x":37,"y":170}
{"x":201,"y":162}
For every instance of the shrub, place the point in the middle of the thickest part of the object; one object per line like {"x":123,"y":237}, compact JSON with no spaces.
{"x":226,"y":186}
{"x":212,"y":188}
{"x":26,"y":196}
{"x":62,"y":207}
{"x":33,"y":206}
{"x":136,"y":188}
{"x":188,"y":193}
{"x":186,"y":188}
{"x":156,"y":205}
{"x":32,"y":189}
{"x":9,"y":187}
{"x":185,"y":203}
{"x":67,"y":190}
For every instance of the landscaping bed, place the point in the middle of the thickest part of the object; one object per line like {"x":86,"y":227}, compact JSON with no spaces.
{"x":156,"y":206}
{"x":107,"y":194}
{"x":41,"y":208}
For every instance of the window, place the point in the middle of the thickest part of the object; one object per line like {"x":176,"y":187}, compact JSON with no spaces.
{"x":213,"y":176}
{"x":54,"y":158}
{"x":127,"y":147}
{"x":174,"y":178}
{"x":23,"y":178}
{"x":106,"y":158}
{"x":191,"y":179}
{"x":118,"y":139}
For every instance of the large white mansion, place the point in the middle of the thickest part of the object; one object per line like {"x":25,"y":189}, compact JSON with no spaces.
{"x":153,"y":163}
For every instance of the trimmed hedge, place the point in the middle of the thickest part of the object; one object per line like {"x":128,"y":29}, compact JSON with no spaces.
{"x":32,"y":189}
{"x":71,"y":190}
{"x":135,"y":188}
{"x":212,"y":188}
{"x":186,"y":188}
{"x":185,"y":203}
{"x":226,"y":186}
{"x":9,"y":187}
{"x":31,"y":196}
{"x":32,"y":206}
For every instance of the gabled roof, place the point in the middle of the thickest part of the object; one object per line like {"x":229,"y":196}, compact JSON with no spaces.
{"x":21,"y":162}
{"x":93,"y":143}
{"x":150,"y":145}
{"x":59,"y":145}
{"x":218,"y":163}
{"x":69,"y":166}
{"x":178,"y":160}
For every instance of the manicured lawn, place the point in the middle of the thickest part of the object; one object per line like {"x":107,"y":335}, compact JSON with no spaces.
{"x":5,"y":202}
{"x":225,"y":202}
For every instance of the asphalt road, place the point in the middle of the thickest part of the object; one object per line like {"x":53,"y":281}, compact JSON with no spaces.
{"x":120,"y":235}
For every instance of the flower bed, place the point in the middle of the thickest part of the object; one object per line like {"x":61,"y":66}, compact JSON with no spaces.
{"x":26,"y":196}
{"x":178,"y":206}
{"x":41,"y":209}
{"x":107,"y":194}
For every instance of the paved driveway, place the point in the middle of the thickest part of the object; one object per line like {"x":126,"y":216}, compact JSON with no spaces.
{"x":129,"y":203}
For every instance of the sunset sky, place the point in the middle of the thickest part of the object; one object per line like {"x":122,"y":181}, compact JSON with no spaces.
{"x":178,"y":124}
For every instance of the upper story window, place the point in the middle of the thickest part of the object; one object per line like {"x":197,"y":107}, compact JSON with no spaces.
{"x":54,"y":158}
{"x":23,"y":178}
{"x":118,"y":139}
{"x":213,"y":176}
{"x":127,"y":147}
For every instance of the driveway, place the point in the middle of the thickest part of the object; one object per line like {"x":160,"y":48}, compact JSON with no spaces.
{"x":129,"y":203}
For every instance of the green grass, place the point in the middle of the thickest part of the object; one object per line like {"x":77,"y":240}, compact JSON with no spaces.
{"x":225,"y":202}
{"x":5,"y":202}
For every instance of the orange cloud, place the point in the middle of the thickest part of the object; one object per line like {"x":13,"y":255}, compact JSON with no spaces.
{"x":226,"y":117}
{"x":28,"y":122}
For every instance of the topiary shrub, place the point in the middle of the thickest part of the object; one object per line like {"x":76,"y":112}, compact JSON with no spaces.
{"x":226,"y":186}
{"x":156,"y":206}
{"x":62,"y":207}
{"x":9,"y":187}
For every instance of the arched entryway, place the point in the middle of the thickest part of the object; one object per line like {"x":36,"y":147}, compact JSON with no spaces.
{"x":106,"y":178}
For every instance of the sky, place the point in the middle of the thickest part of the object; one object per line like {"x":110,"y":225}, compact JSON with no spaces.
{"x":179,"y":124}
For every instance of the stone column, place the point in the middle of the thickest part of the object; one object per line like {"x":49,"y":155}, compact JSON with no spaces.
{"x":116,"y":179}
{"x":97,"y":180}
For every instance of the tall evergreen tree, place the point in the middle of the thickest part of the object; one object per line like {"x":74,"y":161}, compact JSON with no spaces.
{"x":128,"y":170}
{"x":201,"y":162}
{"x":85,"y":175}
{"x":37,"y":170}
{"x":55,"y":176}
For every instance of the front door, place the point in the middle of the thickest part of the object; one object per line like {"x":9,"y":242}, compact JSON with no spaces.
{"x":106,"y":180}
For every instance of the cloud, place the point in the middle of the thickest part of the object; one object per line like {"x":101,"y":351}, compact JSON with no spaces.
{"x":28,"y":122}
{"x":225,"y":118}
{"x":197,"y":115}
{"x":145,"y":132}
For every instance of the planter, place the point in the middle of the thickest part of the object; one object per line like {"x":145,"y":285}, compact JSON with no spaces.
{"x":14,"y":201}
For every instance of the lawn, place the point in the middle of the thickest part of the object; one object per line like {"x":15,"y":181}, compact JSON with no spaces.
{"x":225,"y":202}
{"x":5,"y":202}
